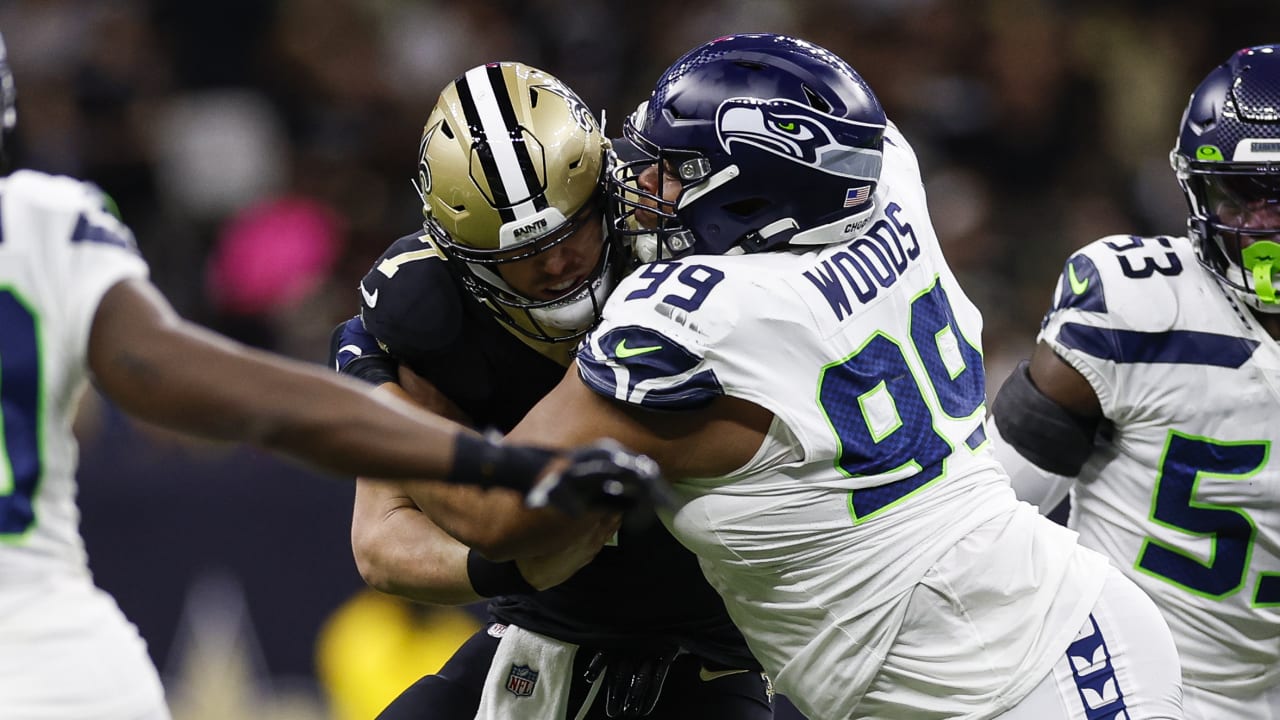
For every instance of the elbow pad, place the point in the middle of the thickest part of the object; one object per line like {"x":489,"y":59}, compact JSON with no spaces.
{"x":1042,"y":431}
{"x":355,"y":352}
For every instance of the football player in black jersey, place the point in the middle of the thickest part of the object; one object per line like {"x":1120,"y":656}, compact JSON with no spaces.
{"x":476,"y":318}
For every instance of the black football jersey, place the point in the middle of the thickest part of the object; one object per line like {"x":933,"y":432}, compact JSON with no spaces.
{"x":644,"y":590}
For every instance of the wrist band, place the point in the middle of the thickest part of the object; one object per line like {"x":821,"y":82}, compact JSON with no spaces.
{"x":490,"y":578}
{"x":479,"y":461}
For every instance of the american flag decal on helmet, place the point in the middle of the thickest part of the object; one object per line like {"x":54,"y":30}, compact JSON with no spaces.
{"x":522,"y":680}
{"x":856,"y":196}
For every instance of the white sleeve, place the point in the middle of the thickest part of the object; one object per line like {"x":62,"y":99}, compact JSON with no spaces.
{"x":1031,"y":484}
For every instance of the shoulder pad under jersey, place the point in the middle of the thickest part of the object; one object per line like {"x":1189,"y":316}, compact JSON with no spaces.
{"x":410,"y":300}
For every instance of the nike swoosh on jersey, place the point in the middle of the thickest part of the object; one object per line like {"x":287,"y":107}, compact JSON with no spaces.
{"x":370,"y":298}
{"x":622,"y":351}
{"x":706,"y":675}
{"x":1077,"y":285}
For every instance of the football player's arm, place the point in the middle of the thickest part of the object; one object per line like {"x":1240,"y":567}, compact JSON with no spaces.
{"x":709,"y":442}
{"x":166,"y":370}
{"x":399,"y":550}
{"x":1043,"y":423}
{"x":494,"y":523}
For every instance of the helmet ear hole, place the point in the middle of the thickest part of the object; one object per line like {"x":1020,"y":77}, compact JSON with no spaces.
{"x":816,"y":101}
{"x":448,"y":131}
{"x":747,"y":207}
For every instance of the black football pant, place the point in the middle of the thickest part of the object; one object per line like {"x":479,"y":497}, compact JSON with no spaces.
{"x":454,"y":692}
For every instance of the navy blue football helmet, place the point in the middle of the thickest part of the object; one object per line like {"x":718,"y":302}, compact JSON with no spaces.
{"x":1227,"y":160}
{"x":773,"y":141}
{"x":8,"y":108}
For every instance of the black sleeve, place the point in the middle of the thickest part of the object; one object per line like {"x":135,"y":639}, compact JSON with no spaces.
{"x":410,"y":301}
{"x":1041,"y":430}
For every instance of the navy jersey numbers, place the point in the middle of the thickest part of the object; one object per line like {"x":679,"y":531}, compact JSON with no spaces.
{"x":1138,"y":259}
{"x":654,"y":369}
{"x":696,"y":281}
{"x":1080,"y":286}
{"x":881,"y":412}
{"x":20,"y":380}
{"x":1186,"y":461}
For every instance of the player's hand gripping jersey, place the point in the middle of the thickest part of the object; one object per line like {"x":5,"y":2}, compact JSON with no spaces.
{"x":1187,"y":498}
{"x":60,"y":251}
{"x":868,"y":352}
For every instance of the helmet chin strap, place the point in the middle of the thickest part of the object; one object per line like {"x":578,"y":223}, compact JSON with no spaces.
{"x":1261,"y":259}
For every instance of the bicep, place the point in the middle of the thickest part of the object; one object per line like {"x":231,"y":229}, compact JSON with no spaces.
{"x":1044,"y":421}
{"x":705,"y":442}
{"x":1062,"y":383}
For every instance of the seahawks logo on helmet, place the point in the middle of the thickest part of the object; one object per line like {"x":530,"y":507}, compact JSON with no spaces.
{"x":792,"y":130}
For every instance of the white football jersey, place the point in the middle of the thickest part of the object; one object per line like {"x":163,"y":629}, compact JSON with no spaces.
{"x":68,"y":651}
{"x":872,"y":551}
{"x":1181,"y":492}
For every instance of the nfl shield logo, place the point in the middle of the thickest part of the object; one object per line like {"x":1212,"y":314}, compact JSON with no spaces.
{"x":521,"y":680}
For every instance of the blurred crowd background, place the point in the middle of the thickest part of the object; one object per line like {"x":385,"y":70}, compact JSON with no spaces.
{"x":262,"y":149}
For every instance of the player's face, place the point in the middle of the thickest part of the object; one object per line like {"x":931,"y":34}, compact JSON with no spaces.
{"x":560,"y":268}
{"x":665,"y":184}
{"x":1248,"y":203}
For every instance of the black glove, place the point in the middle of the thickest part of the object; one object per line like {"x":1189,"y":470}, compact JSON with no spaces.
{"x":632,"y":679}
{"x":603,"y":475}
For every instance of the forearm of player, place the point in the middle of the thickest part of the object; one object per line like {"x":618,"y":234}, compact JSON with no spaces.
{"x":399,"y":551}
{"x":496,"y":523}
{"x":166,"y":370}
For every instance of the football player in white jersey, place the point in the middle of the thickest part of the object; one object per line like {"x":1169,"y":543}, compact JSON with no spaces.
{"x":802,"y":360}
{"x":1154,"y":391}
{"x":75,"y":302}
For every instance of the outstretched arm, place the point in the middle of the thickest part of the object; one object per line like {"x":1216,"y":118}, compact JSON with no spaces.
{"x":166,"y":370}
{"x":494,"y":522}
{"x":400,"y":550}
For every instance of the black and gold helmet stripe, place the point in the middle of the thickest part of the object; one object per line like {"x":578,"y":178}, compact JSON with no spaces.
{"x":499,"y":144}
{"x":510,"y":121}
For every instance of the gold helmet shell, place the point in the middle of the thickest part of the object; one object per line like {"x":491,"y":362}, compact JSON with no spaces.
{"x":511,"y":162}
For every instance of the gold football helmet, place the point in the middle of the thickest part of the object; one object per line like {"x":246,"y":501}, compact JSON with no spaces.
{"x":511,"y":165}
